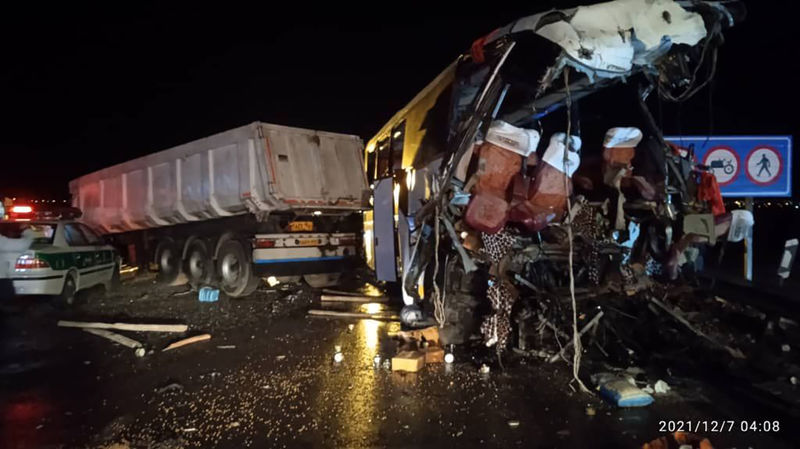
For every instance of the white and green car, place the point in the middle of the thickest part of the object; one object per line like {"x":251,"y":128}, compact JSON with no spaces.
{"x":60,"y":257}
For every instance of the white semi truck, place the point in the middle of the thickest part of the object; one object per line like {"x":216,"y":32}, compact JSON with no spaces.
{"x":256,"y":201}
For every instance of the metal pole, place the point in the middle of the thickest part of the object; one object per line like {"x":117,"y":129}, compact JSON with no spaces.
{"x":748,"y":245}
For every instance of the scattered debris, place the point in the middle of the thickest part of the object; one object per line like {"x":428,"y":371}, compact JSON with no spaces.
{"x":484,"y":369}
{"x":353,"y":299}
{"x":174,"y":386}
{"x":428,"y":334}
{"x":338,"y":357}
{"x":411,"y":361}
{"x":621,"y":391}
{"x":340,"y":314}
{"x":661,"y":387}
{"x":139,"y":350}
{"x":585,"y":328}
{"x":187,"y":341}
{"x":733,"y":352}
{"x":208,"y":294}
{"x":126,"y":326}
{"x":433,"y":354}
{"x":682,"y":440}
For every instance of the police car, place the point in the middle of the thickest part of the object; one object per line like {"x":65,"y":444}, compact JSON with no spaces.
{"x":55,"y":257}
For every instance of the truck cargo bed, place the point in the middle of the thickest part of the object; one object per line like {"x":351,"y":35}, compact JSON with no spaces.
{"x":259,"y":168}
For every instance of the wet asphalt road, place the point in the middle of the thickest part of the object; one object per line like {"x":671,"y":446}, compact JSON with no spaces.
{"x":267,"y":379}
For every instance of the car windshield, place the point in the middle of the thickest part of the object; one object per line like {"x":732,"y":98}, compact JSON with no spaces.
{"x":39,"y":233}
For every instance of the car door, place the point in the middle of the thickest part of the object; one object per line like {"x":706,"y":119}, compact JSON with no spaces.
{"x":81,"y":255}
{"x":102,"y":255}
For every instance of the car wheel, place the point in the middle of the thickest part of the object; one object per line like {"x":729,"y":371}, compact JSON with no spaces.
{"x":198,"y":265}
{"x":69,"y":291}
{"x":235,"y":270}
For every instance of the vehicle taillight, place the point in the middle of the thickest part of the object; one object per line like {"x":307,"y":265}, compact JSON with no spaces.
{"x":27,"y":262}
{"x":21,"y":209}
{"x":265,"y":243}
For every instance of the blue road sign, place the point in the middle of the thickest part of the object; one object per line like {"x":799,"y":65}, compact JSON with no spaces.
{"x":758,"y":166}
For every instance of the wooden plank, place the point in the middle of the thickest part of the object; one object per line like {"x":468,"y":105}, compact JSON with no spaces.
{"x":115,"y":337}
{"x":330,"y":291}
{"x":362,"y":315}
{"x":188,"y":341}
{"x":126,"y":326}
{"x":355,"y":299}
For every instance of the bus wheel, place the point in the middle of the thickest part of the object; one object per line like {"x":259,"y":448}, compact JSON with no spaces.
{"x":198,"y":265}
{"x":168,"y":259}
{"x":235,"y":270}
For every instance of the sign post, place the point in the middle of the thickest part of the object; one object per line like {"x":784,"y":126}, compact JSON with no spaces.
{"x":748,"y":245}
{"x":745,"y":167}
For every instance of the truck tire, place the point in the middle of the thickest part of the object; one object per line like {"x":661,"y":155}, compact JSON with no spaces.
{"x":236,"y":277}
{"x":198,"y":265}
{"x":168,"y":259}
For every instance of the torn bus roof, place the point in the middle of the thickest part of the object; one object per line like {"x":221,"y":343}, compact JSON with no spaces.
{"x":610,"y":39}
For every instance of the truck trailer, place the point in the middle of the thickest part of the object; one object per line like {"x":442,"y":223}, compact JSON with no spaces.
{"x":255,"y":201}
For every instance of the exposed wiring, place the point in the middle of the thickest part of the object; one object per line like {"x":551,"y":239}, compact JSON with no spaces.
{"x":576,"y":336}
{"x":438,"y":299}
{"x":693,"y":87}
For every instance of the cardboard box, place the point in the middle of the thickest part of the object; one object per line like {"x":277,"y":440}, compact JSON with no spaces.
{"x":434,"y":354}
{"x":429,"y":334}
{"x":411,"y":361}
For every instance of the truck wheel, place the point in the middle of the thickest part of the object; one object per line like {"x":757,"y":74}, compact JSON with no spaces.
{"x":168,"y":259}
{"x":235,"y":270}
{"x":69,"y":292}
{"x":322,"y":280}
{"x":198,"y":265}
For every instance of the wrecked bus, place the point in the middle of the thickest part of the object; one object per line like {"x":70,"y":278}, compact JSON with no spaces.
{"x":495,"y":200}
{"x":256,"y":201}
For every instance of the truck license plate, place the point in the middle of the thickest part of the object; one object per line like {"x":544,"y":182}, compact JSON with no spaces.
{"x":301,"y":226}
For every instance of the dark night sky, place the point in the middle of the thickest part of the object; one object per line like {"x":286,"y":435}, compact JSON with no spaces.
{"x":85,"y":87}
